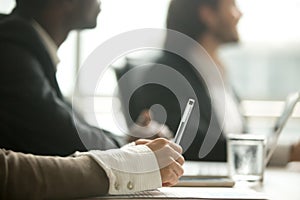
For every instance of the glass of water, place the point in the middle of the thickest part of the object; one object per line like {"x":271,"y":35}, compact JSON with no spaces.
{"x":246,"y":156}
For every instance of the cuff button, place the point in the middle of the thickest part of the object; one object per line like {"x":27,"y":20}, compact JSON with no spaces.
{"x":117,"y":186}
{"x":130,"y":185}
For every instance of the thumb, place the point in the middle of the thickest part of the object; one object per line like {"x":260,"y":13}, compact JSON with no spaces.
{"x":157,"y":144}
{"x":144,"y":118}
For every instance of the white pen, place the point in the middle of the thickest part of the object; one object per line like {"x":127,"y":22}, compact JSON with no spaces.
{"x":185,"y":117}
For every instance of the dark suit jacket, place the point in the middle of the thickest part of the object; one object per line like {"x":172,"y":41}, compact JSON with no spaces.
{"x":151,"y":94}
{"x":34,"y":116}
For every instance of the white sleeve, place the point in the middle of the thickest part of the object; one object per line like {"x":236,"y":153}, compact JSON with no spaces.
{"x":131,"y":169}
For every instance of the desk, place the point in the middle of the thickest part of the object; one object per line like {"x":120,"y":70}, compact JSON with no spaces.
{"x":279,"y":184}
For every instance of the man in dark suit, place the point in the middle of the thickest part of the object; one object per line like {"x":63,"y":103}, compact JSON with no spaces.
{"x":34,"y":116}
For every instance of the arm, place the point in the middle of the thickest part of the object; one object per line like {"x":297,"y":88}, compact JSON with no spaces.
{"x":122,"y":171}
{"x":37,"y":177}
{"x":132,"y":169}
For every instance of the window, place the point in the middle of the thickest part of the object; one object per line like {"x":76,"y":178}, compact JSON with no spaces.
{"x":264,"y":67}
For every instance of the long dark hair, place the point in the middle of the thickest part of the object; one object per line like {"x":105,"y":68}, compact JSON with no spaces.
{"x":183,"y":16}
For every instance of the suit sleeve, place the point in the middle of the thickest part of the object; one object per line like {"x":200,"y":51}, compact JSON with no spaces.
{"x":41,"y":177}
{"x":37,"y":120}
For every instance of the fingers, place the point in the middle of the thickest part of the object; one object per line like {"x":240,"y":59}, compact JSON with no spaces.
{"x":174,"y":155}
{"x":169,"y":159}
{"x":161,"y":142}
{"x":142,"y":141}
{"x":144,"y":118}
{"x":171,"y":180}
{"x":177,"y":168}
{"x":176,"y":147}
{"x":180,"y":160}
{"x":166,"y":152}
{"x":171,"y":174}
{"x":157,"y":144}
{"x":167,"y":155}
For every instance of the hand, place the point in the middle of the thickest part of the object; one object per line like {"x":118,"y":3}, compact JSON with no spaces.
{"x":295,"y":153}
{"x":144,"y":118}
{"x":169,"y":158}
{"x":142,"y":141}
{"x":146,"y":127}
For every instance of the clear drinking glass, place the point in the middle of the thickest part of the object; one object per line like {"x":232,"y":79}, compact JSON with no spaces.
{"x":246,"y":156}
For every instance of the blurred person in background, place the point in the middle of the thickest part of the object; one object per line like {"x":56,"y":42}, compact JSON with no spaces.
{"x":211,"y":23}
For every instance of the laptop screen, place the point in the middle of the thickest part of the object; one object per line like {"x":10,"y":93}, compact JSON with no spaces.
{"x":290,"y":104}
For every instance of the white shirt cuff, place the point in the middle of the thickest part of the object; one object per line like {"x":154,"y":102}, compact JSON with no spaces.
{"x":131,"y":169}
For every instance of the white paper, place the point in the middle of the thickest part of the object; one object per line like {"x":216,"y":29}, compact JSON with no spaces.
{"x":195,"y":193}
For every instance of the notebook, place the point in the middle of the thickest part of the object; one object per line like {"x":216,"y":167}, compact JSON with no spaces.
{"x":193,"y":193}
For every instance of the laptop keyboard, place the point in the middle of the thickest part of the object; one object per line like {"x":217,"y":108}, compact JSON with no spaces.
{"x":205,"y":169}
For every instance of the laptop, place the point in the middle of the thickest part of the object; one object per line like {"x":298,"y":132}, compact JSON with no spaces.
{"x":218,"y":171}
